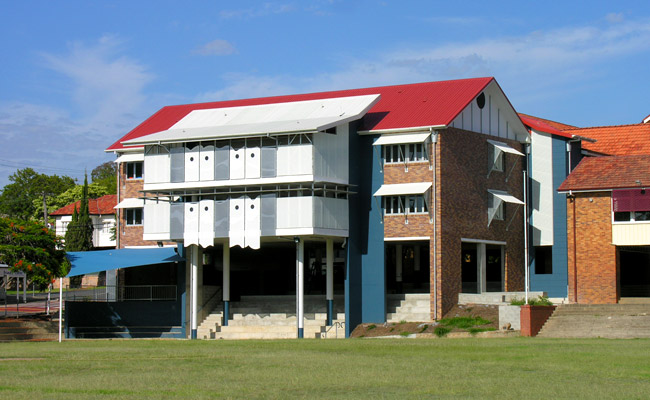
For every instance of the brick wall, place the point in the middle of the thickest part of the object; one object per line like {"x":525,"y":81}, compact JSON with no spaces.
{"x":130,"y":235}
{"x":595,"y":254}
{"x":462,"y":209}
{"x":461,"y":198}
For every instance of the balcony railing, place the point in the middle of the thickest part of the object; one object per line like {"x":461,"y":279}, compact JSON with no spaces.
{"x":122,"y":293}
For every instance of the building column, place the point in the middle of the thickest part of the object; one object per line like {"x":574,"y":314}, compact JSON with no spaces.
{"x":194,"y":265}
{"x":399,"y":258}
{"x":226,"y":282}
{"x":329,"y":290}
{"x":300,"y":288}
{"x":482,"y":268}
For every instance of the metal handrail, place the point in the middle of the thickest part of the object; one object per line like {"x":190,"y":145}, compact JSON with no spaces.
{"x":336,"y":325}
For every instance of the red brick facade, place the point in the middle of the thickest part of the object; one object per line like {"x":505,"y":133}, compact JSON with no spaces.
{"x":589,"y":225}
{"x":130,"y":235}
{"x":461,"y":199}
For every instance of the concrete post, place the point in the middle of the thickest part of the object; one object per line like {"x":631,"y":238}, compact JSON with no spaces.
{"x":194,"y":262}
{"x":300,"y":288}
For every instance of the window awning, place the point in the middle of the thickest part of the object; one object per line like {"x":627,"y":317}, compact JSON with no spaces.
{"x":89,"y":262}
{"x":505,"y":148}
{"x":401,"y":138}
{"x":505,"y":196}
{"x":397,"y":189}
{"x":130,"y":157}
{"x":130,"y":203}
{"x":267,"y":119}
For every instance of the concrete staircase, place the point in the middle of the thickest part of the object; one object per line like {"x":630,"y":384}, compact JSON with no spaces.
{"x":16,"y":330}
{"x":412,"y":307}
{"x":614,"y":321}
{"x":273,"y":317}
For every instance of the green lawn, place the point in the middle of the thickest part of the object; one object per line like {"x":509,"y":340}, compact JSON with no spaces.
{"x":516,"y":368}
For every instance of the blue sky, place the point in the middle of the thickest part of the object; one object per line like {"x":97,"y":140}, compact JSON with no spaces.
{"x":77,"y":75}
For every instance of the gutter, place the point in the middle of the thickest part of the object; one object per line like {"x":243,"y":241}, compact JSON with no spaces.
{"x":426,"y":128}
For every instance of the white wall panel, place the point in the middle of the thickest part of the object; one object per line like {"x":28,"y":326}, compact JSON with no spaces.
{"x":252,"y":222}
{"x":253,"y":166}
{"x":633,"y":234}
{"x":330,"y":155}
{"x":542,"y":189}
{"x":192,"y":164}
{"x":157,"y":167}
{"x":206,"y":223}
{"x":206,"y":163}
{"x":284,"y":161}
{"x":156,"y":216}
{"x":305,"y":155}
{"x":237,"y":220}
{"x":295,"y":212}
{"x":191,"y":234}
{"x":237,"y":163}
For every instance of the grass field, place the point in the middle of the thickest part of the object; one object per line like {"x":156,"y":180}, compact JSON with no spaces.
{"x":517,"y":368}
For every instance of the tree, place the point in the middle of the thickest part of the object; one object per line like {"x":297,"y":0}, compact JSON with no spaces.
{"x":29,"y":247}
{"x":72,"y":195}
{"x":79,"y":236}
{"x":18,"y":198}
{"x":106,"y":175}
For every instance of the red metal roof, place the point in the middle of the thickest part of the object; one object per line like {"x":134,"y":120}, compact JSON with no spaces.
{"x":400,"y":106}
{"x":101,"y":206}
{"x":557,"y":125}
{"x":619,"y":140}
{"x":541,"y":125}
{"x":601,"y":173}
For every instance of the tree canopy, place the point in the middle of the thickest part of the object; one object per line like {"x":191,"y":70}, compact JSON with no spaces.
{"x":105,"y":175}
{"x":28,"y":246}
{"x":72,"y":195}
{"x":79,"y":234}
{"x":18,"y":198}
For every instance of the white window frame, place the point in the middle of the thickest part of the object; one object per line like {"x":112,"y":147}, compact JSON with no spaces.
{"x":499,"y":213}
{"x":133,"y":165}
{"x":129,"y":220}
{"x":401,"y":203}
{"x":632,"y":219}
{"x":401,"y":153}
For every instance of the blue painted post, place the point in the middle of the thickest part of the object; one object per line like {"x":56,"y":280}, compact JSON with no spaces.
{"x":226,"y":283}
{"x":329,"y":256}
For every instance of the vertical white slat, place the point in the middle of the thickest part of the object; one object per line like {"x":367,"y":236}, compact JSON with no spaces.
{"x":252,"y":222}
{"x":285,"y":162}
{"x":192,"y":164}
{"x":191,"y":232}
{"x":236,"y":232}
{"x":206,"y":223}
{"x":206,"y":162}
{"x":253,"y":166}
{"x":237,"y":163}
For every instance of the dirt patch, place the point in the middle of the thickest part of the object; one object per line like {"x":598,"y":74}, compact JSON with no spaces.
{"x":487,"y":312}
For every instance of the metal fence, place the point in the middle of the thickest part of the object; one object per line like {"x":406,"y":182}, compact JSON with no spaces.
{"x":121,"y":293}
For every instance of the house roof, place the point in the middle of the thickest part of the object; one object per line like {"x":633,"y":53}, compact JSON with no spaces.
{"x":557,"y":125}
{"x":542,"y":125}
{"x":602,"y":173}
{"x":400,"y":106}
{"x":101,"y":206}
{"x":617,"y":140}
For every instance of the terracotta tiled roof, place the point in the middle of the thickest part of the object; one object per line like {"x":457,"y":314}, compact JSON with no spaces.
{"x":554,"y":124}
{"x":619,"y":172}
{"x":618,"y":140}
{"x":101,"y":206}
{"x":400,"y":106}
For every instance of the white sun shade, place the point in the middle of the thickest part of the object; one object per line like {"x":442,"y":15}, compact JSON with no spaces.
{"x":130,"y":157}
{"x":504,"y":147}
{"x":277,"y":118}
{"x":130,"y":203}
{"x":504,"y":196}
{"x":397,"y":189}
{"x":396,"y":138}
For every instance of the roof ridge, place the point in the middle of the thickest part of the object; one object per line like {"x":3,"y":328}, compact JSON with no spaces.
{"x":606,"y":126}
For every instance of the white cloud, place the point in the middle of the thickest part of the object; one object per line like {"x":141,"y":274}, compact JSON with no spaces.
{"x":107,"y":89}
{"x":106,"y":84}
{"x":218,"y":47}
